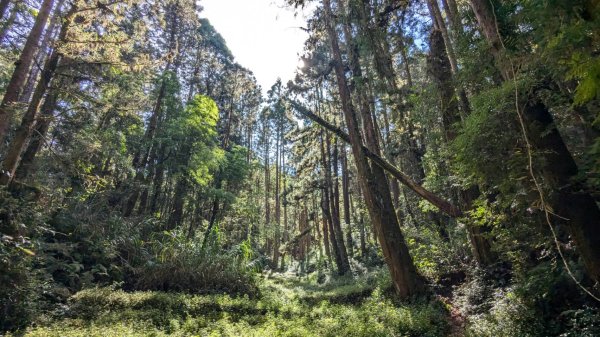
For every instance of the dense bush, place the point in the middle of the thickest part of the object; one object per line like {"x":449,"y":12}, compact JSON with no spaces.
{"x":21,"y":287}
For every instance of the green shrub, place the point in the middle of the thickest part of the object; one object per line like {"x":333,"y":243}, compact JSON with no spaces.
{"x":177,"y":263}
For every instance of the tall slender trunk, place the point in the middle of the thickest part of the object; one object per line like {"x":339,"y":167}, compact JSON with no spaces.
{"x":328,"y":208}
{"x":267,"y":175}
{"x":451,"y":10}
{"x":176,"y":216}
{"x":346,"y":200}
{"x":41,"y":55}
{"x":285,"y":212}
{"x":325,"y":229}
{"x":23,"y":132}
{"x":335,"y":200}
{"x":276,"y":237}
{"x":382,"y":61}
{"x":19,"y":75}
{"x":439,"y":69}
{"x":141,"y":157}
{"x":158,"y":179}
{"x":374,"y":182}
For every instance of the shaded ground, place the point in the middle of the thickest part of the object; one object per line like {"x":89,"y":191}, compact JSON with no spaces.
{"x":287,"y":306}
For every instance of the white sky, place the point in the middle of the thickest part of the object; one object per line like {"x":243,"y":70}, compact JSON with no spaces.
{"x":263,"y":36}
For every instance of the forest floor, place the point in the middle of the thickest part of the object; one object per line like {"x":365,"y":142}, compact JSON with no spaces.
{"x":287,"y":306}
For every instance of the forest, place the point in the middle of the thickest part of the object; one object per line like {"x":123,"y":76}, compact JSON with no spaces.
{"x":432,"y":169}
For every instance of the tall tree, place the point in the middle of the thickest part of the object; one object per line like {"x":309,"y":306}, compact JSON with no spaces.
{"x":22,"y":66}
{"x":373,"y":181}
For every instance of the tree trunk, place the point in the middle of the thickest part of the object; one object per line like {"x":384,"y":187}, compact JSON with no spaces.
{"x":41,"y":55}
{"x":37,"y":139}
{"x":439,"y":23}
{"x":158,"y":179}
{"x":276,"y":238}
{"x":575,"y":208}
{"x":440,"y":71}
{"x":375,"y":187}
{"x":327,"y":207}
{"x":451,"y":10}
{"x":335,"y":199}
{"x":23,"y":133}
{"x":346,"y":200}
{"x":485,"y":17}
{"x":176,"y":216}
{"x":19,"y":75}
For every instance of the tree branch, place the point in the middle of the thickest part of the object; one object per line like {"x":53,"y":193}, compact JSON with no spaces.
{"x":442,"y":204}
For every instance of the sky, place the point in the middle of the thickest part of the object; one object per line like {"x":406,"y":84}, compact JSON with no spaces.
{"x":263,"y":36}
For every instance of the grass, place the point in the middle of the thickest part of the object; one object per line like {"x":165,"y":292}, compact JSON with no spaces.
{"x":287,"y":306}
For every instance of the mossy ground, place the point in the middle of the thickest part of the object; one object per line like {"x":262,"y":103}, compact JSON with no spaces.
{"x":287,"y":306}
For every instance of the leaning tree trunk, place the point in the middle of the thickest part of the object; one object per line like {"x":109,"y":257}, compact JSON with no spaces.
{"x":19,"y":75}
{"x":375,"y":187}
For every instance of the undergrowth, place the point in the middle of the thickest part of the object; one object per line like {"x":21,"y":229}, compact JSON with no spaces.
{"x":287,"y":307}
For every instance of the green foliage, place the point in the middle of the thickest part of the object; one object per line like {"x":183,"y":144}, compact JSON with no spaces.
{"x":541,"y":303}
{"x":20,"y":286}
{"x":175,"y":262}
{"x":433,"y":255}
{"x":282,"y":310}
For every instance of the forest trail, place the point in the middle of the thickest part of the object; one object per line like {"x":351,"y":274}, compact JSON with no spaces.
{"x":287,"y":306}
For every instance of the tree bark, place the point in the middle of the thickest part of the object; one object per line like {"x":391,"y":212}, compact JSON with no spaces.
{"x":19,"y":75}
{"x":176,"y":216}
{"x":276,"y":238}
{"x":327,"y":209}
{"x":440,"y":71}
{"x":439,"y":23}
{"x":335,"y":203}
